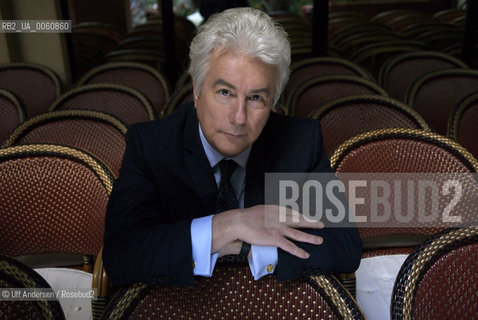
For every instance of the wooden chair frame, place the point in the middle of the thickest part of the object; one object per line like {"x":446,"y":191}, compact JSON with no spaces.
{"x":295,"y":95}
{"x":22,"y":114}
{"x":110,"y":86}
{"x":322,"y":110}
{"x":37,"y":121}
{"x":394,"y":61}
{"x":22,"y":276}
{"x":123,"y":302}
{"x":127,"y":65}
{"x":457,"y":114}
{"x":451,"y":146}
{"x":416,"y":265}
{"x":49,"y":73}
{"x":87,"y":160}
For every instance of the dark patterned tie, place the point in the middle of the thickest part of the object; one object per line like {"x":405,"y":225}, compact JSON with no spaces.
{"x":226,"y":197}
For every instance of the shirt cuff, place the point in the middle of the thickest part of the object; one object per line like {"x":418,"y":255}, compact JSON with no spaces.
{"x":264,"y":260}
{"x":201,"y":238}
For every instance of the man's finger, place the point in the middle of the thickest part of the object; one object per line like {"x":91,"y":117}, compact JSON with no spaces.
{"x":301,"y":236}
{"x":294,"y":250}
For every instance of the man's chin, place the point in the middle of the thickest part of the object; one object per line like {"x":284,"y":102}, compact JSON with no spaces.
{"x":228,"y":151}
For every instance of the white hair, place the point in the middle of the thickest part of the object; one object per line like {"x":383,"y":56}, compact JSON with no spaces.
{"x":243,"y":30}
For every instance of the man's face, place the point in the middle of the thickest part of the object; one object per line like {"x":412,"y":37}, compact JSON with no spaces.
{"x":235,"y":101}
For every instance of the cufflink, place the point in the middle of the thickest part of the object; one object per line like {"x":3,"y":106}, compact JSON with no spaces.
{"x":269,"y":268}
{"x":194,"y":264}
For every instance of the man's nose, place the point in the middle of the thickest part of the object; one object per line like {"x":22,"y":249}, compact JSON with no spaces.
{"x":239,"y":112}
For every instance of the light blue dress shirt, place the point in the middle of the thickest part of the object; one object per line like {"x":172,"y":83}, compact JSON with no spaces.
{"x":264,"y":258}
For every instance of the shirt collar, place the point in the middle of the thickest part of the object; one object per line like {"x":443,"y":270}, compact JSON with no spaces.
{"x":214,"y":156}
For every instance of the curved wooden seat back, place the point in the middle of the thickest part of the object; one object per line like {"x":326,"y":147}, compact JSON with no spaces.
{"x":12,"y":113}
{"x":439,"y":278}
{"x":398,"y":73}
{"x":319,"y":90}
{"x":344,"y":118}
{"x":320,"y":66}
{"x":139,"y":76}
{"x":36,"y":86}
{"x":95,"y":132}
{"x":53,"y":200}
{"x":126,"y":103}
{"x":14,"y":274}
{"x":436,"y":94}
{"x":233,"y":293}
{"x":463,"y":123}
{"x":414,"y":155}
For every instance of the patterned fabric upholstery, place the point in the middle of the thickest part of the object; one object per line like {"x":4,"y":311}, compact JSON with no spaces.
{"x":320,"y":66}
{"x":14,"y":274}
{"x":90,"y":46}
{"x":126,"y":103}
{"x":151,"y":58}
{"x":232,"y":293}
{"x":407,"y":151}
{"x":399,"y":73}
{"x":374,"y":55}
{"x":463,"y":123}
{"x":345,"y":117}
{"x":12,"y":113}
{"x":34,"y":85}
{"x":319,"y":90}
{"x":437,"y":93}
{"x":95,"y":132}
{"x":439,"y":279}
{"x":52,"y":199}
{"x":139,"y":76}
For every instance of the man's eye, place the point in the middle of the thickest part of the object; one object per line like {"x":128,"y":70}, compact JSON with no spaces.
{"x":224,"y":92}
{"x":256,"y":97}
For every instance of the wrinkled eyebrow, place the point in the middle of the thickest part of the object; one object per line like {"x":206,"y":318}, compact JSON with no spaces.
{"x":223,"y":82}
{"x":265,"y":91}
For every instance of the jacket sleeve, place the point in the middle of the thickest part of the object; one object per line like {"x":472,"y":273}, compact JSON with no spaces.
{"x":139,"y":245}
{"x":341,"y":249}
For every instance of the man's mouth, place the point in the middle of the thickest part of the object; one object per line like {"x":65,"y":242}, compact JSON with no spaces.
{"x":234,"y":135}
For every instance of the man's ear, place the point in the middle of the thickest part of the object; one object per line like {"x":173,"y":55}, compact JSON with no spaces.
{"x":195,"y":95}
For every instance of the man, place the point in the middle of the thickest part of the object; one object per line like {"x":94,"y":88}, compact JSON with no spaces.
{"x":168,"y":218}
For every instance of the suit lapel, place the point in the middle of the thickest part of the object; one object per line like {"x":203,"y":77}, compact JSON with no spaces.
{"x":258,"y":164}
{"x":197,"y":164}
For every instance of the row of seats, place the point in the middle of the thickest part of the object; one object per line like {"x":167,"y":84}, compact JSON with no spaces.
{"x":428,"y":285}
{"x":52,"y":182}
{"x":370,"y":40}
{"x":428,"y":86}
{"x":333,"y":90}
{"x":97,"y":43}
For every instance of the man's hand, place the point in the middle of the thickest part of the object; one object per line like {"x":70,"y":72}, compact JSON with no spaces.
{"x":264,"y":225}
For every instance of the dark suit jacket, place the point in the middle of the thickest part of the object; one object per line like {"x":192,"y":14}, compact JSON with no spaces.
{"x":166,"y":181}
